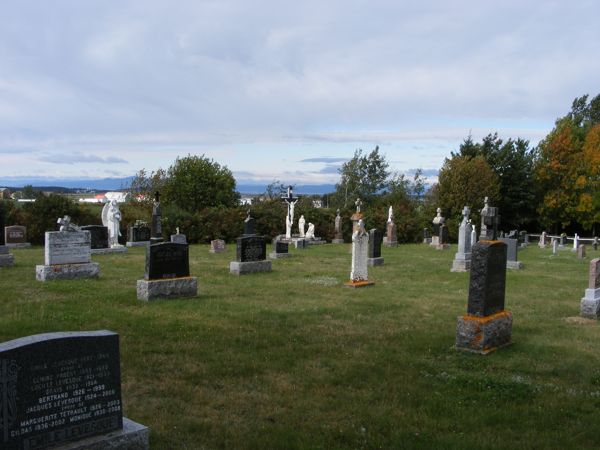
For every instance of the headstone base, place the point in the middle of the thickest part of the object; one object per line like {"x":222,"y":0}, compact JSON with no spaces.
{"x":275,"y":255}
{"x":483,"y":334}
{"x":133,"y":436}
{"x":243,"y":268}
{"x":19,"y":245}
{"x":67,"y":271}
{"x":390,"y":244}
{"x":169,"y":288}
{"x":375,"y":261}
{"x":515,"y":265}
{"x":442,"y":246}
{"x":137,"y":243}
{"x":337,"y":241}
{"x":7,"y":260}
{"x":358,"y":284}
{"x":106,"y":251}
{"x":300,"y":243}
{"x":461,"y":265}
{"x":590,"y":304}
{"x":427,"y":241}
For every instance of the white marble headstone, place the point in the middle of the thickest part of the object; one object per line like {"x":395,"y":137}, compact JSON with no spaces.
{"x":67,"y":247}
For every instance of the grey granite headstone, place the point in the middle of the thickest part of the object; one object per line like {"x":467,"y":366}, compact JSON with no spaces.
{"x":67,"y":255}
{"x":512,"y":247}
{"x":280,"y":249}
{"x":64,"y":389}
{"x":590,"y":303}
{"x":462,"y":258}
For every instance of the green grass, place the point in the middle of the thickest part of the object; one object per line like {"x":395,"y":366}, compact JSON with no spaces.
{"x":292,"y":359}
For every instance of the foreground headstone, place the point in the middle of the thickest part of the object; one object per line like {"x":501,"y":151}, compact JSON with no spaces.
{"x":251,"y":253}
{"x":590,"y":303}
{"x":280,"y":249}
{"x":64,"y":390}
{"x":138,"y":235}
{"x":15,"y":236}
{"x":462,"y":258}
{"x":512,"y":250}
{"x":67,"y":256}
{"x":338,"y":237}
{"x":374,"y":257}
{"x":486,"y":326}
{"x":359,"y":272}
{"x":167,"y":273}
{"x":217,"y":246}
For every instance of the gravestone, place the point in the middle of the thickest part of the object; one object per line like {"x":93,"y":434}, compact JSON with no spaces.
{"x":523,"y":239}
{"x":512,"y":249}
{"x":443,"y":239}
{"x":595,"y":244}
{"x":15,"y":236}
{"x":437,"y":222}
{"x":374,"y":257}
{"x":167,"y":274}
{"x":67,"y":255}
{"x":280,"y":249}
{"x":473,"y":236}
{"x":359,"y":271}
{"x":357,"y":216}
{"x":251,"y":253}
{"x":543,"y":240}
{"x":139,"y":234}
{"x":391,"y":238}
{"x":300,"y":244}
{"x":487,"y":325}
{"x":462,"y":258}
{"x":64,"y":389}
{"x":6,"y":258}
{"x":156,"y":232}
{"x":590,"y":303}
{"x":249,"y":225}
{"x":98,"y":236}
{"x":581,"y":251}
{"x":554,"y":246}
{"x":562,"y":240}
{"x":217,"y":246}
{"x":179,"y":238}
{"x":575,"y":243}
{"x":338,"y":237}
{"x":426,"y":236}
{"x":490,"y":219}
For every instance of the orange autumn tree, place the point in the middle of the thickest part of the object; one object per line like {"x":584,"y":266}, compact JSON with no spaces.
{"x":565,"y":167}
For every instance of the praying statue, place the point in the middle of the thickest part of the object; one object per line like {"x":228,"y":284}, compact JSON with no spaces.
{"x":111,"y":218}
{"x":310,"y":233}
{"x":301,"y":223}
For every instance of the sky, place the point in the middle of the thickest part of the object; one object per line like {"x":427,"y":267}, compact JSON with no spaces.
{"x":280,"y":90}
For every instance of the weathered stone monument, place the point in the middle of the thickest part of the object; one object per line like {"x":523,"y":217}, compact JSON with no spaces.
{"x":156,"y":232}
{"x":15,"y":236}
{"x":575,"y":243}
{"x":462,"y":258}
{"x":357,"y":216}
{"x":63,"y":390}
{"x":473,"y":234}
{"x":359,"y":272}
{"x":249,"y":225}
{"x":391,"y":238}
{"x":590,"y":303}
{"x":554,"y":246}
{"x":512,"y":250}
{"x":487,"y":325}
{"x":374,"y":257}
{"x":338,"y":237}
{"x":280,"y":249}
{"x":6,"y":258}
{"x":581,"y":251}
{"x":139,"y":234}
{"x":251,"y":254}
{"x":67,"y":254}
{"x":437,"y":221}
{"x":167,"y":274}
{"x":489,"y":222}
{"x":426,"y":236}
{"x":217,"y":246}
{"x":543,"y":240}
{"x":290,"y":201}
{"x":178,"y":238}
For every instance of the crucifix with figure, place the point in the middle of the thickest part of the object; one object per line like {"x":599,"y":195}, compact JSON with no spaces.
{"x":290,"y":200}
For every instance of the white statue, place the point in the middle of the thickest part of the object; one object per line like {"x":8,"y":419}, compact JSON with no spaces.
{"x":310,"y":233}
{"x":289,"y":219}
{"x":301,"y":223}
{"x":390,"y":215}
{"x":360,"y":252}
{"x":111,"y":218}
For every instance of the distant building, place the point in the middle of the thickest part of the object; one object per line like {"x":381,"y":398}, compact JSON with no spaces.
{"x":120,"y":197}
{"x":4,"y":193}
{"x":245,"y":200}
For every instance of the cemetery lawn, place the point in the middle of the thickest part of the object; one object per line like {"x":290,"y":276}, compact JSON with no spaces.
{"x":292,"y":359}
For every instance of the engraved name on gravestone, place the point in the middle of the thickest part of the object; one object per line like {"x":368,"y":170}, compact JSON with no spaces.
{"x":59,"y":387}
{"x":167,"y":260}
{"x":15,"y":234}
{"x":375,"y":240}
{"x":251,"y":248}
{"x":98,"y":235}
{"x":488,"y":278}
{"x":67,"y":247}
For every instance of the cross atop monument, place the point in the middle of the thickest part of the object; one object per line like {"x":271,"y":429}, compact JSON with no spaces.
{"x":465,"y":212}
{"x":358,"y":204}
{"x":64,"y":223}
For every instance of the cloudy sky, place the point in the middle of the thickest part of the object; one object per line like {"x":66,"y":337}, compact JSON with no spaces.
{"x":279,"y":89}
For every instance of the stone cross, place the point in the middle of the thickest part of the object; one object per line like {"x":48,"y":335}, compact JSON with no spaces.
{"x":64,"y":223}
{"x":465,"y":212}
{"x":358,"y":204}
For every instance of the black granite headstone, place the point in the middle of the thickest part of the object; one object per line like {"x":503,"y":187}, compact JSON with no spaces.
{"x":281,"y":247}
{"x":59,"y":387}
{"x":251,"y":248}
{"x":138,"y":233}
{"x":99,"y":235}
{"x":15,"y":234}
{"x":167,"y":260}
{"x":375,"y":240}
{"x":443,"y":234}
{"x":488,"y":278}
